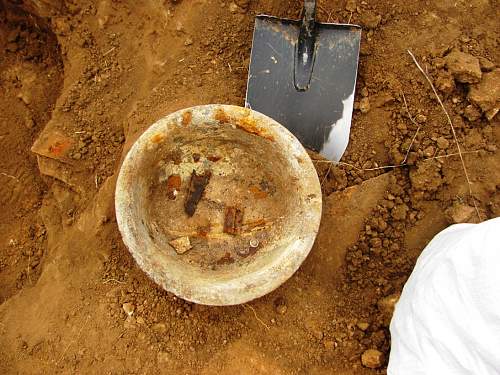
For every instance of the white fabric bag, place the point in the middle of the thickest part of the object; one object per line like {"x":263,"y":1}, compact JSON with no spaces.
{"x":447,"y":320}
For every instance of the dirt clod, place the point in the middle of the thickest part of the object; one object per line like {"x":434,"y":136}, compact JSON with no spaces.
{"x":372,"y":358}
{"x":442,"y":143}
{"x":471,"y":113}
{"x":486,"y":65}
{"x":445,"y":83}
{"x":386,"y":307}
{"x":364,"y":105}
{"x":465,"y":68}
{"x":399,"y":212}
{"x":426,"y":176}
{"x":370,"y":20}
{"x":487,"y":94}
{"x":350,"y":5}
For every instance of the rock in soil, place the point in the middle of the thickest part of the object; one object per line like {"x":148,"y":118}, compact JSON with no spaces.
{"x":459,"y":213}
{"x":487,"y":94}
{"x":471,"y":113}
{"x":372,"y":358}
{"x":364,"y":105}
{"x":465,"y":68}
{"x":386,"y":307}
{"x":129,"y":308}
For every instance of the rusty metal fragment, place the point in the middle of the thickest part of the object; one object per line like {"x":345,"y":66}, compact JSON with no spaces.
{"x":196,"y":188}
{"x":233,"y":220}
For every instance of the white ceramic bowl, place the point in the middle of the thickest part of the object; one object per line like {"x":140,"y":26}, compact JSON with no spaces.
{"x":257,"y":166}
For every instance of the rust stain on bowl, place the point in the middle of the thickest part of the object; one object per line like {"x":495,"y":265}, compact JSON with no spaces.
{"x":157,"y":138}
{"x":187,"y":116}
{"x":243,"y":119}
{"x":221,"y":116}
{"x":249,"y":125}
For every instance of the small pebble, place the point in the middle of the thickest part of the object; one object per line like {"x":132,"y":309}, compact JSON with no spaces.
{"x":129,"y":308}
{"x":363,"y":325}
{"x":386,"y":306}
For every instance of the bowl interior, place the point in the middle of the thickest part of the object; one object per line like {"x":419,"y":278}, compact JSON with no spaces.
{"x":257,"y":215}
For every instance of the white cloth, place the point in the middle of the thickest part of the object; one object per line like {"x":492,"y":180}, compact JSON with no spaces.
{"x":447,"y":321}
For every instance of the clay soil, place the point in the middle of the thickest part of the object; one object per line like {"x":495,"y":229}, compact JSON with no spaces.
{"x":81,"y":80}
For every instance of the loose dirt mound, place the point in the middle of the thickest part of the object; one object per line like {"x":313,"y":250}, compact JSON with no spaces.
{"x":73,"y":300}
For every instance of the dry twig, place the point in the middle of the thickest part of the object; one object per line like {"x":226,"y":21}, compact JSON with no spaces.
{"x":328,"y":14}
{"x":469,"y":183}
{"x":326,"y":174}
{"x":108,"y":52}
{"x":9,"y":176}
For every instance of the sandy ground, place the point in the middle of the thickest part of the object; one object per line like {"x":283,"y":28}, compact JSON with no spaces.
{"x":81,"y":80}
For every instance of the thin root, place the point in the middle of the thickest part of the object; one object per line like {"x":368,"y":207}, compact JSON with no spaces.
{"x":416,"y":133}
{"x":393,"y":166}
{"x":256,"y":316}
{"x":75,"y":340}
{"x":113,"y":280}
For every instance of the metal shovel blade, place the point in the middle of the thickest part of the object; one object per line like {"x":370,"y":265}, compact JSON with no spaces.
{"x":319,"y":116}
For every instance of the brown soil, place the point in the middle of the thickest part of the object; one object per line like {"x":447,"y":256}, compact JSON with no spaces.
{"x":81,"y":80}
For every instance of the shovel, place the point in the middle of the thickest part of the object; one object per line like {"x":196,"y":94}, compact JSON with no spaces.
{"x":303,"y":74}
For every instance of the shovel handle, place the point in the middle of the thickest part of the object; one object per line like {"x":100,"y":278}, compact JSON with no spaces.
{"x":309,"y":16}
{"x":304,"y":53}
